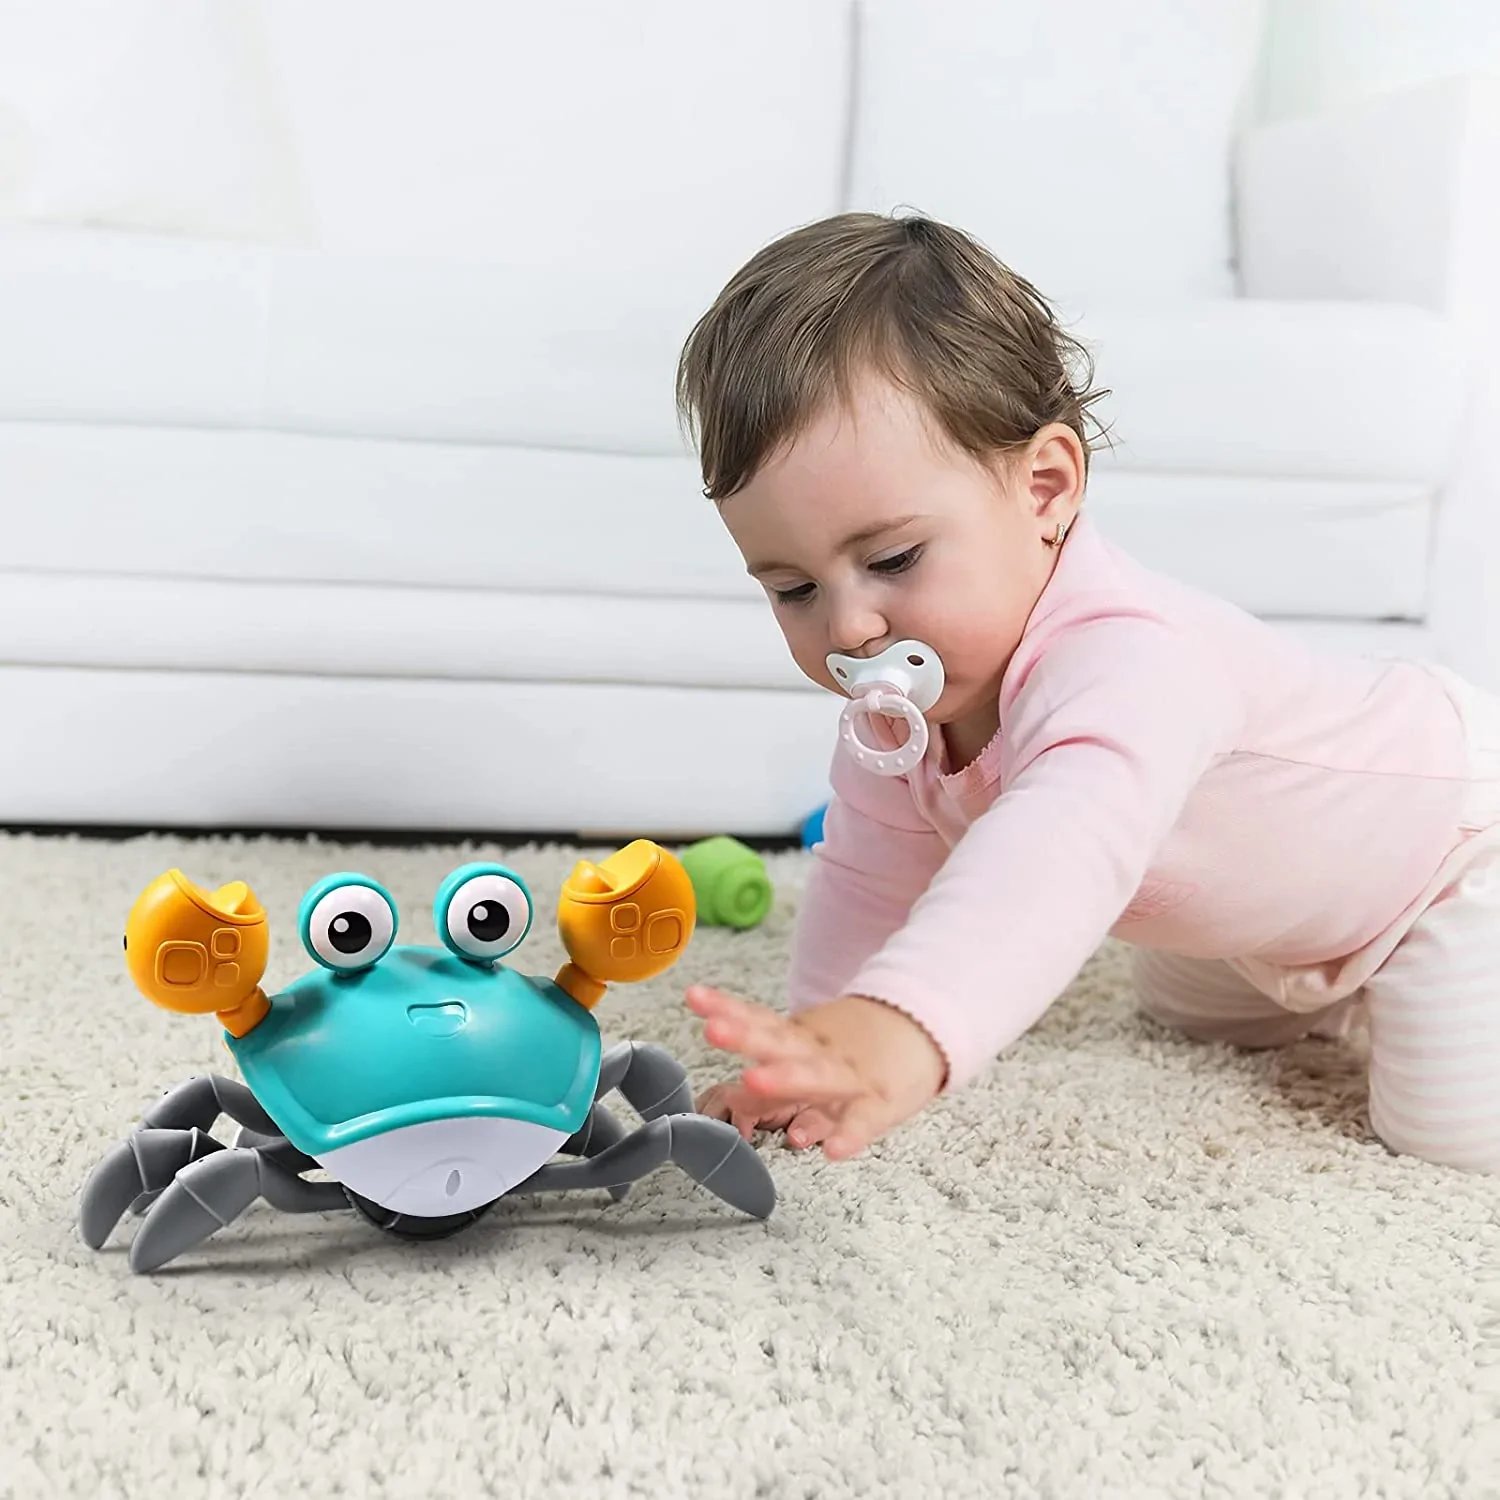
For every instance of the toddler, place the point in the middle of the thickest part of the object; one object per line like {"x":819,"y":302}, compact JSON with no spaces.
{"x":896,"y":432}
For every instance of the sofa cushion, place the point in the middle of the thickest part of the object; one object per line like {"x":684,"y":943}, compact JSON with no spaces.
{"x":144,"y":116}
{"x":197,"y":503}
{"x":373,"y":630}
{"x":1331,"y":390}
{"x":664,"y":139}
{"x":283,"y":508}
{"x":580,"y":353}
{"x":654,"y":140}
{"x":1087,"y":142}
{"x":272,"y":750}
{"x":126,"y":328}
{"x":112,"y":327}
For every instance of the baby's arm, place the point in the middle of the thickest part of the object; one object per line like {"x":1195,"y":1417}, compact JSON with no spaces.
{"x":877,"y":857}
{"x":1116,"y":722}
{"x":1108,"y":742}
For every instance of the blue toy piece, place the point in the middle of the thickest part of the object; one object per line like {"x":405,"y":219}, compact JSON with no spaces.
{"x":812,"y":829}
{"x":428,"y":1082}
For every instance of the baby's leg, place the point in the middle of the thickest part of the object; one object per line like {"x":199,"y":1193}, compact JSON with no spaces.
{"x":1435,"y":1029}
{"x":1208,"y":1000}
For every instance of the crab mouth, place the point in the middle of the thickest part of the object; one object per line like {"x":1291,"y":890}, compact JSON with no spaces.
{"x":442,"y":1019}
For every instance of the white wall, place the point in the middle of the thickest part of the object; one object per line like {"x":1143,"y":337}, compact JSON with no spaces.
{"x":1328,"y":52}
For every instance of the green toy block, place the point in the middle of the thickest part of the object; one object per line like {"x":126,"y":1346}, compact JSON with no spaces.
{"x":729,"y":881}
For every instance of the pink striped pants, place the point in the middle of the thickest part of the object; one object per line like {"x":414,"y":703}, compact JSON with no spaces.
{"x":1432,"y":1005}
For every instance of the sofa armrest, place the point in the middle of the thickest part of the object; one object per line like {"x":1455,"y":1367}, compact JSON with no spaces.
{"x":1390,"y":199}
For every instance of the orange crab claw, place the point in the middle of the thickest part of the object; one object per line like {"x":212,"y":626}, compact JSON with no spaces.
{"x":624,"y":919}
{"x":192,"y":950}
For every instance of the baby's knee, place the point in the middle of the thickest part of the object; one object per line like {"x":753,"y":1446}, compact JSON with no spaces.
{"x":1192,"y":1024}
{"x":1194,"y":998}
{"x":1253,"y":1033}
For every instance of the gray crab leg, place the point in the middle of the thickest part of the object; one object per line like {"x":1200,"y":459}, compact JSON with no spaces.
{"x":600,"y":1131}
{"x":214,"y":1191}
{"x":140,"y":1167}
{"x":653,"y":1083}
{"x":712,"y":1152}
{"x":200,"y":1101}
{"x":277,"y":1147}
{"x":649,"y":1077}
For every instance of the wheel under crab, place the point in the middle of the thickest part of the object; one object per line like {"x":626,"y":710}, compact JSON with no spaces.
{"x":188,"y":1185}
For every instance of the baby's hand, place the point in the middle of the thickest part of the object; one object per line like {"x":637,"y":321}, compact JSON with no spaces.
{"x":749,"y":1112}
{"x":863,"y":1066}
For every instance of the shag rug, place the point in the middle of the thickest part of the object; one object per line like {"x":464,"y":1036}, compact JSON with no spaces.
{"x":1123,"y":1264}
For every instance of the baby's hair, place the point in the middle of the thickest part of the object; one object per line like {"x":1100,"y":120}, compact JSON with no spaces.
{"x":919,"y":302}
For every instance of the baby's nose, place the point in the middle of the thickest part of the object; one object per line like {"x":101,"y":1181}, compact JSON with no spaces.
{"x":866,"y":637}
{"x":855,"y":624}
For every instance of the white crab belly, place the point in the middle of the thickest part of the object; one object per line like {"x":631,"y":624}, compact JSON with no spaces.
{"x":444,"y":1166}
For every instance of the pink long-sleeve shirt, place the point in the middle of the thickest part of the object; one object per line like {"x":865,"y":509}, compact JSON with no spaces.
{"x":1168,"y":769}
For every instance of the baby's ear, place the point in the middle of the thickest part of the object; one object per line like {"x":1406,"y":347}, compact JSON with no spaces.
{"x":1053,"y":472}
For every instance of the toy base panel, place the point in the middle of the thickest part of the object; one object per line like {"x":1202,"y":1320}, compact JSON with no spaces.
{"x":444,"y":1167}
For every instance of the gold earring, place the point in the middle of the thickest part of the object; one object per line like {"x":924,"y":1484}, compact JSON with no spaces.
{"x":1059,"y":539}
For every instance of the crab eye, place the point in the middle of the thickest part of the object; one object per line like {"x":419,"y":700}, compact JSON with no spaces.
{"x":347,"y":922}
{"x":482,"y":911}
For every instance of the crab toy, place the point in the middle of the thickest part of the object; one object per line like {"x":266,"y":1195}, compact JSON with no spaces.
{"x":426,"y":1083}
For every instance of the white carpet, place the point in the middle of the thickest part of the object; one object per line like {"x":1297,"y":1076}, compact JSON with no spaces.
{"x":1124,"y":1264}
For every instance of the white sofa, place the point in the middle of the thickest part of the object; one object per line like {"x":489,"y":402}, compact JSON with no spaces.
{"x":339,"y":475}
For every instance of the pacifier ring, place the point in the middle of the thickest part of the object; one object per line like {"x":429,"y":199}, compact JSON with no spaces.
{"x":884,"y":762}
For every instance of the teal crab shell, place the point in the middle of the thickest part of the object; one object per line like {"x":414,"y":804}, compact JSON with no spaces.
{"x":415,"y":1035}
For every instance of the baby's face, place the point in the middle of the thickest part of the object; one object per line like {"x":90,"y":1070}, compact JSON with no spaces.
{"x":872,"y":527}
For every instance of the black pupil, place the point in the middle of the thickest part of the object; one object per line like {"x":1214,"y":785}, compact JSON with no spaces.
{"x":349,"y":932}
{"x":488,"y":921}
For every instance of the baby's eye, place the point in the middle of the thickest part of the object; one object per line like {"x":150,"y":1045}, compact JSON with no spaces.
{"x":799,"y":595}
{"x":897,"y":564}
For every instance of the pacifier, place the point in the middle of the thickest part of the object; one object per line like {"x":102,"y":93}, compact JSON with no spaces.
{"x":901,"y":683}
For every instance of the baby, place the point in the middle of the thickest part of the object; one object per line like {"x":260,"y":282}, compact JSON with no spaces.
{"x":896,"y":432}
